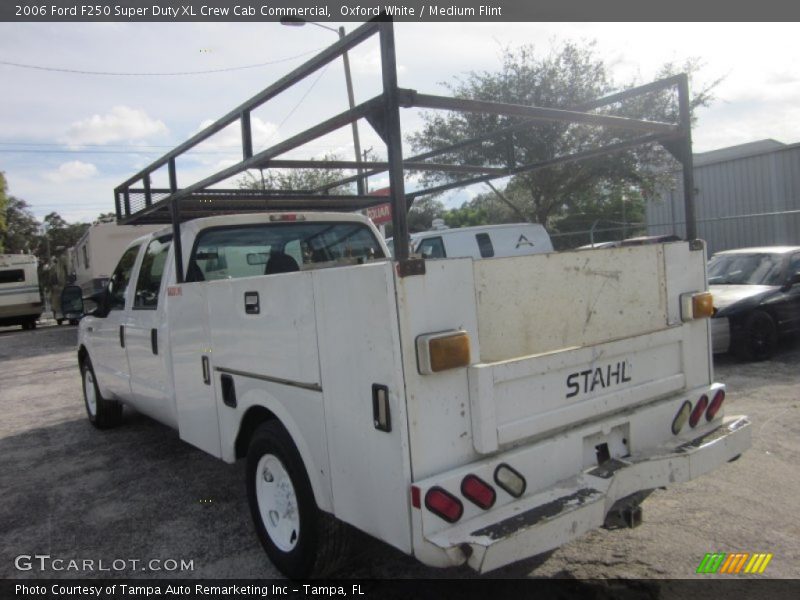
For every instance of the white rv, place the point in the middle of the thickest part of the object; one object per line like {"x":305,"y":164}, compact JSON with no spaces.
{"x":98,"y":251}
{"x":20,"y":298}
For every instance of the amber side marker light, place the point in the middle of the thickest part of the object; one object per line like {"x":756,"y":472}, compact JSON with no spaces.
{"x":697,"y":305}
{"x":442,"y":351}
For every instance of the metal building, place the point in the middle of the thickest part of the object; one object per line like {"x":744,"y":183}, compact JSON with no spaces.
{"x":746,"y":195}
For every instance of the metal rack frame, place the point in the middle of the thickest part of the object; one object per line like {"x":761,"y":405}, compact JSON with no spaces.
{"x":175,"y":204}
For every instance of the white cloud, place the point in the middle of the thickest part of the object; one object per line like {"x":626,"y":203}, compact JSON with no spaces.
{"x":369,"y":63}
{"x":121,"y":123}
{"x":74,"y":170}
{"x":230,"y":138}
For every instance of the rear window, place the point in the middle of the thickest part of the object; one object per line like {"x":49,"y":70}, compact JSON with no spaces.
{"x":485,"y":245}
{"x":245,"y":251}
{"x":12,"y":276}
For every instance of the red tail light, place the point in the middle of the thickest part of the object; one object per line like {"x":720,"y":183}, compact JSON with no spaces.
{"x":699,"y":410}
{"x":443,"y":504}
{"x":477,"y":491}
{"x":414,"y":496}
{"x":715,"y":405}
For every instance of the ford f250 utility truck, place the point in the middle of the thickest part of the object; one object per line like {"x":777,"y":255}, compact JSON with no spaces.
{"x":464,"y":411}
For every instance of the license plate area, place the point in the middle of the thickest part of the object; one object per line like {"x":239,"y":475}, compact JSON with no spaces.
{"x":601,"y":447}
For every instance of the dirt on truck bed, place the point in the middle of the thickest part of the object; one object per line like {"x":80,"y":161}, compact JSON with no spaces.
{"x":138,"y":493}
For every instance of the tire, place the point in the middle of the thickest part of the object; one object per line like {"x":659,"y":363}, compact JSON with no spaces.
{"x":300,"y":540}
{"x":102,"y":413}
{"x":759,"y":337}
{"x":59,"y":321}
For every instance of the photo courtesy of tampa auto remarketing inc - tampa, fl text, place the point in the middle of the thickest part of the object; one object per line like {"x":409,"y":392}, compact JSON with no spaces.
{"x":412,"y":299}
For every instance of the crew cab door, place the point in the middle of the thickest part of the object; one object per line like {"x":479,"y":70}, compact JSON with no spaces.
{"x":192,"y":364}
{"x":147,"y":342}
{"x":108,"y":355}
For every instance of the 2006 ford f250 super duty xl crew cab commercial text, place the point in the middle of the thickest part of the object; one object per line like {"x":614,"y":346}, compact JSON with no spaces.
{"x":461,"y":410}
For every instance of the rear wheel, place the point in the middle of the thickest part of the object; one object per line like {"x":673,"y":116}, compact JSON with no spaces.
{"x":102,"y":413}
{"x":759,"y":337}
{"x":59,"y":321}
{"x":300,"y":540}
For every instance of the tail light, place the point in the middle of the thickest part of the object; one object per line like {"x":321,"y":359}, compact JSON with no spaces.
{"x":477,"y":491}
{"x":699,"y":411}
{"x":715,"y":405}
{"x":510,"y":480}
{"x":680,"y":419}
{"x":443,"y":504}
{"x":414,"y":496}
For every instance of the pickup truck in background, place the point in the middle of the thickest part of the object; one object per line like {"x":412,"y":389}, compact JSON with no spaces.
{"x":464,"y":411}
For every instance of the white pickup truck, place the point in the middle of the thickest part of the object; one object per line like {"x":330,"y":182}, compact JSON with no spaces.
{"x":461,"y":410}
{"x":480,"y":413}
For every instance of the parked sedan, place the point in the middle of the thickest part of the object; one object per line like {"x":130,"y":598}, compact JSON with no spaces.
{"x":757,"y":299}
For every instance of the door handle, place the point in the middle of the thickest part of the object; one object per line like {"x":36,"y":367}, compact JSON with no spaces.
{"x":122,"y":336}
{"x":252,"y":304}
{"x":206,"y":370}
{"x":154,"y":340}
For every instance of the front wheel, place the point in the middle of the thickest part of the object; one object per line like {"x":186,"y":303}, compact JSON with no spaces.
{"x":759,"y":337}
{"x":300,"y":540}
{"x":102,"y":413}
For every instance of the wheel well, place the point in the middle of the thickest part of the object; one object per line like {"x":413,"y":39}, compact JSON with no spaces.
{"x":83,"y":354}
{"x":255,"y":416}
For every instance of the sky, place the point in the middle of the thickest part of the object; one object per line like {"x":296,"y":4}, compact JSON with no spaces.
{"x":67,"y":138}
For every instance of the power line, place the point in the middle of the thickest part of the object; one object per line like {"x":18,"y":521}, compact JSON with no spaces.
{"x":162,"y":74}
{"x":296,"y":106}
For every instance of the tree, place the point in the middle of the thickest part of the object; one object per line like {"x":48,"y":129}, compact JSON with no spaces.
{"x":295,"y":179}
{"x":569,"y":75}
{"x":59,"y":235}
{"x":21,"y":235}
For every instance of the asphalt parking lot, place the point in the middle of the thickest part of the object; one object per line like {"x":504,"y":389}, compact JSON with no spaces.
{"x":138,"y":492}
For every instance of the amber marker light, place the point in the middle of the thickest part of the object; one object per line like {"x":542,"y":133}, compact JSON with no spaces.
{"x":442,"y":351}
{"x":697,"y":305}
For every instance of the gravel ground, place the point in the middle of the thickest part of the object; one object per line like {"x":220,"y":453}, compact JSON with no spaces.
{"x":138,"y":492}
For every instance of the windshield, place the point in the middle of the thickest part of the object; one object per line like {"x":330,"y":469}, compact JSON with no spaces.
{"x":745,"y":269}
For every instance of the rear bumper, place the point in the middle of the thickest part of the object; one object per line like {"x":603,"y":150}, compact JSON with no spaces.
{"x":571,"y":508}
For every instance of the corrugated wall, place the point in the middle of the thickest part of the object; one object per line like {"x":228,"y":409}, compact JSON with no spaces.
{"x":729,"y":190}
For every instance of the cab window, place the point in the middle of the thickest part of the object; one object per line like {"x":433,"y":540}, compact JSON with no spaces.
{"x":271,"y":248}
{"x":151,"y":272}
{"x":120,"y":279}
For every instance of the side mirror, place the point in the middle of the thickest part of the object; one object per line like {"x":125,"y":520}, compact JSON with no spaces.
{"x":98,"y":304}
{"x":72,"y":302}
{"x":794,"y":278}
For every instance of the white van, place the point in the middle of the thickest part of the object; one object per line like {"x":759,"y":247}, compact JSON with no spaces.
{"x":484,"y":241}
